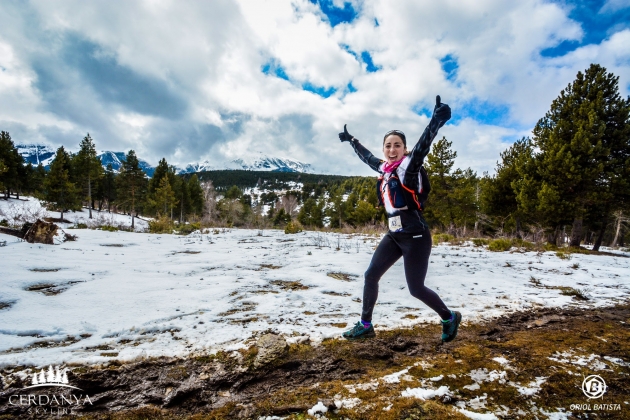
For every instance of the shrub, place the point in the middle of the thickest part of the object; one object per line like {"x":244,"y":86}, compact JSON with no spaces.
{"x":188,"y":228}
{"x":109,"y":228}
{"x":4,"y":222}
{"x":293,"y":227}
{"x":563,"y":255}
{"x":442,"y":237}
{"x":480,"y":241}
{"x":162,"y":224}
{"x":500,"y":245}
{"x":520,"y":243}
{"x":81,"y":226}
{"x":549,"y":247}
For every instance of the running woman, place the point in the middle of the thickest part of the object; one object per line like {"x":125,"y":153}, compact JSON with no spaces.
{"x":400,"y":190}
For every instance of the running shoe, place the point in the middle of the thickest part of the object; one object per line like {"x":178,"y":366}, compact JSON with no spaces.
{"x":449,"y":328}
{"x":359,"y":332}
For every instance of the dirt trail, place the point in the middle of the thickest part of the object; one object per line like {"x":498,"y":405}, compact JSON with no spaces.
{"x":560,"y":345}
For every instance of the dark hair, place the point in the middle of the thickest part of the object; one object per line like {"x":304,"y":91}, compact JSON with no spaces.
{"x":396,"y":133}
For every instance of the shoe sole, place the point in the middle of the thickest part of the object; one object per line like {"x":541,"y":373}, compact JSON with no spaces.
{"x":361,"y":337}
{"x":458,"y":319}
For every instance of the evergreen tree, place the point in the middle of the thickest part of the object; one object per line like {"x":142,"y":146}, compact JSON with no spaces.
{"x":88,"y":167}
{"x":12,"y":176}
{"x":131,"y":185}
{"x":164,"y":198}
{"x":108,"y":185}
{"x":576,"y":138}
{"x":3,"y":169}
{"x":196,"y":195}
{"x":498,"y":194}
{"x":59,"y":191}
{"x":312,"y":213}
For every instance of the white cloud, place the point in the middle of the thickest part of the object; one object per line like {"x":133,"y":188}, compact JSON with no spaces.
{"x":209,"y":56}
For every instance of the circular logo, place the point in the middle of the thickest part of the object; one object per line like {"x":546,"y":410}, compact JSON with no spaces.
{"x":594,"y":386}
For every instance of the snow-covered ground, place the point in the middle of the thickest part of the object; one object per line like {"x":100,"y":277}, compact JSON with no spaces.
{"x":122,"y":295}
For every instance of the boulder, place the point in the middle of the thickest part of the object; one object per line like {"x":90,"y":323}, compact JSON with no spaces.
{"x":41,"y":232}
{"x":270,"y":347}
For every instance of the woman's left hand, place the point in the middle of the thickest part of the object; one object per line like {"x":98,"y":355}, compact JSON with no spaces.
{"x":441,"y":111}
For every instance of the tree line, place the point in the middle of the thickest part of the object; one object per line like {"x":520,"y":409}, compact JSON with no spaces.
{"x":571,"y":180}
{"x":77,"y":180}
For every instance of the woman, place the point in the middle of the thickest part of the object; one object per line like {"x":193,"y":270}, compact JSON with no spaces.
{"x":402,"y":189}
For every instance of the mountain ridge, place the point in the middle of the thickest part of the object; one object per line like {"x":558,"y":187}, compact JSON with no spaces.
{"x":257,"y":161}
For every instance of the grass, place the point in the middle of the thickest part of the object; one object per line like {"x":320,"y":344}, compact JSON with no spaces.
{"x":551,"y":350}
{"x":500,"y":245}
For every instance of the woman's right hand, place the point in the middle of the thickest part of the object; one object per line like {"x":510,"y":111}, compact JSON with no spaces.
{"x":345,"y":136}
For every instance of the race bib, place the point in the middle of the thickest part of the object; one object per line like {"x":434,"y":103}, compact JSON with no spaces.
{"x":395,"y":225}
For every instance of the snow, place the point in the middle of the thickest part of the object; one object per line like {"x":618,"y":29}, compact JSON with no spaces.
{"x":426,"y":393}
{"x":126,"y":296}
{"x":317,"y":408}
{"x":478,"y":416}
{"x":532,"y":388}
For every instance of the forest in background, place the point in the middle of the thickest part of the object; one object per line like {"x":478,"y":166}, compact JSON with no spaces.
{"x":568,"y":183}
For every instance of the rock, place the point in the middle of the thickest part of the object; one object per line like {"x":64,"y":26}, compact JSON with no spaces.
{"x":270,"y":347}
{"x":41,"y":232}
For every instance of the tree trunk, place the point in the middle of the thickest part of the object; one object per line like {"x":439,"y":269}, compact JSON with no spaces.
{"x":90,"y":195}
{"x":619,"y":218}
{"x":518,"y":228}
{"x":600,"y":237}
{"x":576,"y":233}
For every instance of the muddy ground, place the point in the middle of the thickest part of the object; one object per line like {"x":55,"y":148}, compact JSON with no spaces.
{"x":562,"y":346}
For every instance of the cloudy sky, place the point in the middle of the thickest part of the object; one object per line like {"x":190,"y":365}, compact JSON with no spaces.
{"x":217,"y":79}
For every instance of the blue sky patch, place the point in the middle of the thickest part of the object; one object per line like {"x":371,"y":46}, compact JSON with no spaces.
{"x":351,"y":88}
{"x":484,"y":112}
{"x":319,"y":90}
{"x":273,"y":68}
{"x":334,"y":14}
{"x":367,"y":59}
{"x":421,"y":109}
{"x":450,"y":66}
{"x":597,"y":24}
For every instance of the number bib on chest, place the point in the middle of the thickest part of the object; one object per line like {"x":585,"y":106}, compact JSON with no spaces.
{"x":395,"y":225}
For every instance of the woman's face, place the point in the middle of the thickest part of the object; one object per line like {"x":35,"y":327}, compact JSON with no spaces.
{"x":393,"y":148}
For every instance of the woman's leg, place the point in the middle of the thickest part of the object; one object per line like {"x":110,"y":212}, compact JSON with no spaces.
{"x":416,"y":252}
{"x":386,"y":254}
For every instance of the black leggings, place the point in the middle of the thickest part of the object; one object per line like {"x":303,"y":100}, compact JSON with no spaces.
{"x":415,"y":251}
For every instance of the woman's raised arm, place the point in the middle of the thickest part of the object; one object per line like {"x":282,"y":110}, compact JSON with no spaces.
{"x":441,"y":114}
{"x":364,"y":154}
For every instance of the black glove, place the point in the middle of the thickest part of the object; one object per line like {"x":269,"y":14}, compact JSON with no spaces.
{"x":441,"y":111}
{"x":345,"y":136}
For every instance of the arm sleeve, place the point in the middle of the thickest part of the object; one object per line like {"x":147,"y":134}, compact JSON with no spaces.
{"x":421,"y":149}
{"x":365,"y":155}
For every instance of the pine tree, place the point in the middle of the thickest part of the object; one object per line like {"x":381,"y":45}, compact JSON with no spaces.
{"x":108,"y":185}
{"x":583,"y":142}
{"x":499,"y":193}
{"x":88,"y":166}
{"x":312,"y":213}
{"x":131,"y":185}
{"x":164,"y":198}
{"x":196,"y":195}
{"x":11,"y":177}
{"x":59,"y":191}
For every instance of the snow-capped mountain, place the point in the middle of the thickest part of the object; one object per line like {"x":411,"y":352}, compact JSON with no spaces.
{"x":255,"y":162}
{"x":36,"y":154}
{"x":116,"y":159}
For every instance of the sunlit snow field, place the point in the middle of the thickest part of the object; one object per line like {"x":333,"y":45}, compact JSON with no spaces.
{"x":122,"y":295}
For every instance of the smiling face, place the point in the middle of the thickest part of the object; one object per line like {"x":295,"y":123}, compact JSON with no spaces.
{"x":393,"y":148}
